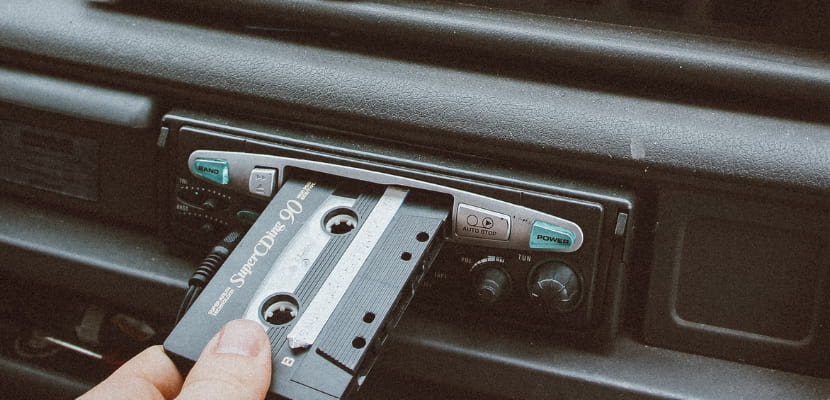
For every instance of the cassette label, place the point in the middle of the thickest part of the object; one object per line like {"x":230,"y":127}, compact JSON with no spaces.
{"x":327,"y":270}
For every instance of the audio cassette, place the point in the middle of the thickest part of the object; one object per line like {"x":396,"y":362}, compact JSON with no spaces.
{"x":327,"y":270}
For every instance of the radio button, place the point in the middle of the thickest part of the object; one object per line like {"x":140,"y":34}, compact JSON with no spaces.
{"x":548,"y":236}
{"x":475,"y":222}
{"x":212,"y":169}
{"x":192,"y":195}
{"x":247,"y":217}
{"x":262,"y":181}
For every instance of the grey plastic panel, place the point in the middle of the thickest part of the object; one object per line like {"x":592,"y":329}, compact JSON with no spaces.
{"x":77,"y":100}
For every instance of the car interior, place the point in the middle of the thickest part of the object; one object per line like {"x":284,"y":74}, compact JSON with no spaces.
{"x":631,"y":195}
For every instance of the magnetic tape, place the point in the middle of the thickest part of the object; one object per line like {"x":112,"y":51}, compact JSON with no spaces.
{"x":327,"y":269}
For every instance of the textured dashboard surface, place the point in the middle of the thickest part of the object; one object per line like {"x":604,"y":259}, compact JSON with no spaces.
{"x":507,"y":118}
{"x":523,"y":124}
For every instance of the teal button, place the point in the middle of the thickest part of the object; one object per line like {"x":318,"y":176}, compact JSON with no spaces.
{"x":548,"y":236}
{"x":212,"y":169}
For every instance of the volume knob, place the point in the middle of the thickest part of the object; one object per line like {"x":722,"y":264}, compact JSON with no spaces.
{"x":491,"y":282}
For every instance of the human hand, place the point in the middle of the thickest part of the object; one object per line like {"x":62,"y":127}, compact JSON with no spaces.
{"x":235,"y":364}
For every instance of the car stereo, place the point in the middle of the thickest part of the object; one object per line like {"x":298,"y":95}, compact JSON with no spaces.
{"x":522,"y":249}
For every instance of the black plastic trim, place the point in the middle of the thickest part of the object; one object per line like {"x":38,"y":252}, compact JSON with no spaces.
{"x":77,"y":100}
{"x":22,"y":380}
{"x":128,"y":268}
{"x":691,"y":60}
{"x":544,"y":124}
{"x":518,"y":365}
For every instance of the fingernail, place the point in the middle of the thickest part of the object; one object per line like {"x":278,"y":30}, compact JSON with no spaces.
{"x":241,"y":337}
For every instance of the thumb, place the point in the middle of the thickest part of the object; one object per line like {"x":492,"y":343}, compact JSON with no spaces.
{"x":235,"y":364}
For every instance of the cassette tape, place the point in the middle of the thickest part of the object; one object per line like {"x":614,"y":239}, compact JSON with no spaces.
{"x":327,"y":270}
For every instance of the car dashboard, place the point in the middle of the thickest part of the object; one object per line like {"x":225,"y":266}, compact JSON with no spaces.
{"x":683,"y":145}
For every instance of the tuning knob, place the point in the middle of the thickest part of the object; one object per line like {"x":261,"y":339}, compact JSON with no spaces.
{"x":491,"y":281}
{"x":556,"y":286}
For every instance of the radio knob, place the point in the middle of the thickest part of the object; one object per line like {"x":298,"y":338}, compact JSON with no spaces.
{"x":556,"y":286}
{"x":491,"y":281}
{"x":210,"y":204}
{"x":201,"y":198}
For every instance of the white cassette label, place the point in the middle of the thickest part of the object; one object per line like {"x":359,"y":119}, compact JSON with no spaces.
{"x":311,"y":323}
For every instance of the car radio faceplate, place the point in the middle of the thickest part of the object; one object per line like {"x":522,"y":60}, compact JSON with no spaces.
{"x":568,"y":285}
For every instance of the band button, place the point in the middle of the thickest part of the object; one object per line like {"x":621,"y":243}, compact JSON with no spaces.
{"x":212,"y":169}
{"x":544,"y":235}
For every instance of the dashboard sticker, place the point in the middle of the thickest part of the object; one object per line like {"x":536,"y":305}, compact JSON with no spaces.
{"x":49,"y":160}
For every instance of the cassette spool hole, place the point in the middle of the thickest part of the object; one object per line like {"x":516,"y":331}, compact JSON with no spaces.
{"x":406,"y":256}
{"x":422,"y":237}
{"x":340,"y":221}
{"x":368,"y":317}
{"x":359,"y":342}
{"x":280,"y":309}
